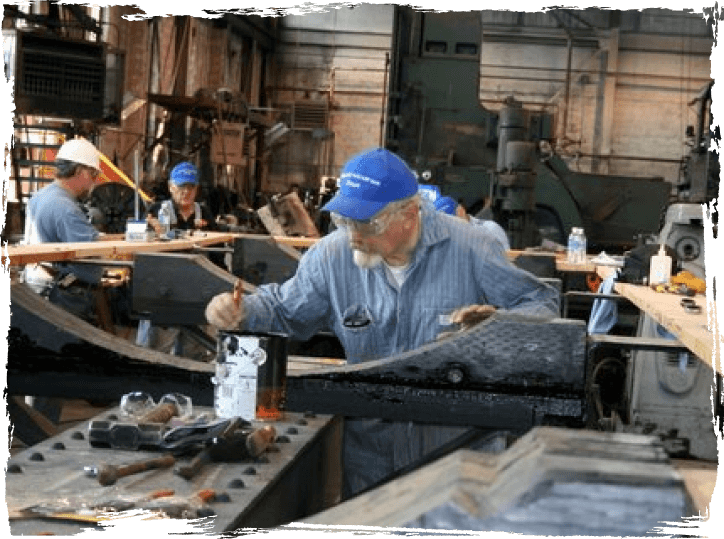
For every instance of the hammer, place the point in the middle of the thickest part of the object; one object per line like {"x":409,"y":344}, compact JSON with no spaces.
{"x":108,"y":474}
{"x":229,"y":447}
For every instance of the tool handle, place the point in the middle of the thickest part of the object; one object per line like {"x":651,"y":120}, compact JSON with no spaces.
{"x":258,"y":441}
{"x":238,"y":290}
{"x":152,"y":464}
{"x":189,"y":471}
{"x":160,"y":414}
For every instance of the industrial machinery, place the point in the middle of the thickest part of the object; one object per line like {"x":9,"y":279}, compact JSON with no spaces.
{"x":436,"y":123}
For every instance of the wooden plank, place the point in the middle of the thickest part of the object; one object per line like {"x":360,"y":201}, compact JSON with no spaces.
{"x":699,"y":478}
{"x":115,"y":245}
{"x":18,"y":255}
{"x":692,"y":329}
{"x":53,"y":252}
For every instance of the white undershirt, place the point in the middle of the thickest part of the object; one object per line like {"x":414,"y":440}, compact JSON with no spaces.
{"x":399,"y":273}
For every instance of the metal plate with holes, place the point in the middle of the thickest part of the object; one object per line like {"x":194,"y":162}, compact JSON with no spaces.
{"x":296,"y":478}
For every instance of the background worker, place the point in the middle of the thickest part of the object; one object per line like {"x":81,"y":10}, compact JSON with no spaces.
{"x":185,"y":211}
{"x":451,"y":207}
{"x":392,"y":277}
{"x":53,"y":215}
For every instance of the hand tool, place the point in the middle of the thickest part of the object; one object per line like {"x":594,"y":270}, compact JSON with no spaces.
{"x":160,"y":413}
{"x":108,"y":474}
{"x":238,"y":291}
{"x":232,"y":445}
{"x":102,"y":433}
{"x":188,"y":471}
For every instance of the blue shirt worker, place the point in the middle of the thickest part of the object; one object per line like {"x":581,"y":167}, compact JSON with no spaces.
{"x":53,"y":214}
{"x":185,"y":213}
{"x":451,"y":207}
{"x":392,"y":277}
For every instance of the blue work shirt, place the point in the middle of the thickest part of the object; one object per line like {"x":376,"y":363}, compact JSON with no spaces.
{"x":53,"y":215}
{"x":453,"y":265}
{"x":492,"y":228}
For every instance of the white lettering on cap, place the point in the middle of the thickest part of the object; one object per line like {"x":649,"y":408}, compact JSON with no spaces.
{"x":351,"y":183}
{"x":361,"y":178}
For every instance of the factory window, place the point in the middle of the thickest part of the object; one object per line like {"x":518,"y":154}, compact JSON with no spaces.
{"x":466,"y":48}
{"x":436,"y":46}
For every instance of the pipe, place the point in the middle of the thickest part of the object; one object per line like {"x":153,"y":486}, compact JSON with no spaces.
{"x":383,"y":118}
{"x":137,"y":173}
{"x":567,"y":98}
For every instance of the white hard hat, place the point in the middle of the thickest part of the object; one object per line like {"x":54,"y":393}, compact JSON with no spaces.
{"x":80,"y":151}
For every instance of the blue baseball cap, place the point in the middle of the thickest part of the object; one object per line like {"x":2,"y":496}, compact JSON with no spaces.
{"x":184,"y":173}
{"x":446,"y":205}
{"x":370,"y":181}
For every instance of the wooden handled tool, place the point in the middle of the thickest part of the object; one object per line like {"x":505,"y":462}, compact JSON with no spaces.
{"x":108,"y":474}
{"x":238,"y":291}
{"x":160,"y":414}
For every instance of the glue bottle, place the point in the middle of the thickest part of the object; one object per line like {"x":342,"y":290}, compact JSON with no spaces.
{"x":660,"y":272}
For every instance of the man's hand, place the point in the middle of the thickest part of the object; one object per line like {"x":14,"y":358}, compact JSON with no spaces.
{"x":467,"y":317}
{"x":155,"y":224}
{"x":224,"y":312}
{"x":471,"y":315}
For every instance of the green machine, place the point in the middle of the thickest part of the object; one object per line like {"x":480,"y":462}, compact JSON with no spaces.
{"x":492,"y":161}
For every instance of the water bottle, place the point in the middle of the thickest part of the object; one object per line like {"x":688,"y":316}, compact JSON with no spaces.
{"x":164,"y":219}
{"x":582,"y":259}
{"x":573,"y":246}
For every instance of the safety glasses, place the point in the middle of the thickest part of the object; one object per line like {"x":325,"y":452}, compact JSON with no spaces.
{"x":371,"y":227}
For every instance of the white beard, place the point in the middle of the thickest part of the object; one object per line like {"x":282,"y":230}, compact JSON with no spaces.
{"x":366,"y":260}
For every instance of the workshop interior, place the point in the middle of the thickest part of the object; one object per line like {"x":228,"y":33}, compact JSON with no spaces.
{"x":586,"y":134}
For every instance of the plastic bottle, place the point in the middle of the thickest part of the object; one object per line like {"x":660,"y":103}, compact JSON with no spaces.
{"x":582,"y":246}
{"x":572,"y":245}
{"x":164,"y":219}
{"x":660,"y":271}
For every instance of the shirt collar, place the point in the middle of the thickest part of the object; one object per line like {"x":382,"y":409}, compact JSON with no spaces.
{"x":433,"y":231}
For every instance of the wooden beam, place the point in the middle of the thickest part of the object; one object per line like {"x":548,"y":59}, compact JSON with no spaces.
{"x":19,"y":255}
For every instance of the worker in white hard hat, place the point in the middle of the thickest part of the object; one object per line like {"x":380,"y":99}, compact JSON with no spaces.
{"x":54,"y":215}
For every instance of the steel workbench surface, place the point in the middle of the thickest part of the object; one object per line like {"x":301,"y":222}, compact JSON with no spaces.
{"x":295,"y":477}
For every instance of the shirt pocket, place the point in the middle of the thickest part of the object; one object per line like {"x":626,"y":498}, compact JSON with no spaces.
{"x":434,"y":320}
{"x":359,"y":334}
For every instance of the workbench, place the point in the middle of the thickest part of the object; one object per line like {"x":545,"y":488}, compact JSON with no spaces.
{"x":692,"y":329}
{"x":297,"y":476}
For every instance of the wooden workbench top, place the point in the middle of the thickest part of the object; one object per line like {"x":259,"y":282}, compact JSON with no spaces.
{"x":692,"y":329}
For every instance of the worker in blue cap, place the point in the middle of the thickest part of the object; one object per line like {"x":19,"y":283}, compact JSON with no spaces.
{"x":183,"y":210}
{"x":392,"y":277}
{"x":451,"y":207}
